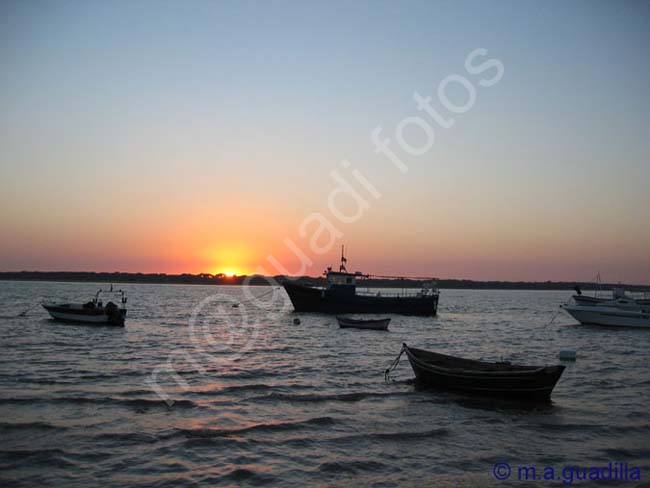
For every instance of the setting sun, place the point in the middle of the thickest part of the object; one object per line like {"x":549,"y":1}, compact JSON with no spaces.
{"x":228,"y":259}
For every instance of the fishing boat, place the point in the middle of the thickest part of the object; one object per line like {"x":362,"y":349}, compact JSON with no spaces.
{"x":93,"y":312}
{"x":612,"y":313}
{"x":484,"y":378}
{"x":371,"y":324}
{"x":342,"y":296}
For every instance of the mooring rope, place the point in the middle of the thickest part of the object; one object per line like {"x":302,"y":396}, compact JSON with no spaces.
{"x":235,"y":305}
{"x":393,"y":365}
{"x":21,"y":314}
{"x":554,"y":317}
{"x":559,"y":310}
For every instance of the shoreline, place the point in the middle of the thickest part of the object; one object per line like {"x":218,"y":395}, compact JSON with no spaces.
{"x":257,"y":280}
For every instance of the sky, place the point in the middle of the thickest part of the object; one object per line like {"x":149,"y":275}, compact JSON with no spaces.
{"x":201,"y":136}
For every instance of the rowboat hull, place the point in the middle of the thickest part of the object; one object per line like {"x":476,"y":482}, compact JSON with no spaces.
{"x":481,"y":378}
{"x":380,"y":324}
{"x":609,"y":316}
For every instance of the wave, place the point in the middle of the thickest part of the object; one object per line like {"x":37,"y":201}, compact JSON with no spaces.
{"x":626,"y":453}
{"x":201,"y":436}
{"x":549,"y":427}
{"x":51,"y":457}
{"x":633,"y":428}
{"x":126,"y":402}
{"x":352,"y":467}
{"x":146,"y":402}
{"x":126,"y":438}
{"x":395,"y":436}
{"x":10,"y":426}
{"x":345,"y":440}
{"x":46,"y":456}
{"x":257,"y":428}
{"x":244,"y":373}
{"x":72,"y":377}
{"x":613,"y":430}
{"x":235,"y":389}
{"x":241,"y":475}
{"x":340,"y":397}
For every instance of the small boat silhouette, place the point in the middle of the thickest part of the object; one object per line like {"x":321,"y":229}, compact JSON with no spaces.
{"x":371,"y":324}
{"x":93,"y":312}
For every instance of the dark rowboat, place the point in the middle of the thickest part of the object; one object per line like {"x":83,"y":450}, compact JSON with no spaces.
{"x":372,"y":324}
{"x":484,"y":378}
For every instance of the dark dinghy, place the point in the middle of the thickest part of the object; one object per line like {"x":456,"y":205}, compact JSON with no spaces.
{"x":371,"y":324}
{"x":484,"y":378}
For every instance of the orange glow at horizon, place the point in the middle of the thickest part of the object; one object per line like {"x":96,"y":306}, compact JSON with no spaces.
{"x":229,"y":259}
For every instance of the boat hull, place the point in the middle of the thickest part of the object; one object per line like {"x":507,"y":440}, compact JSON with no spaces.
{"x":310,"y":299}
{"x":595,"y":301}
{"x":587,"y":300}
{"x":527,"y":383}
{"x":381,"y":324}
{"x":84,"y":316}
{"x":609,"y":316}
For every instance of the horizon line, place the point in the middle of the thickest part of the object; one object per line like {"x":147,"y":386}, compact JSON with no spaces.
{"x":223,"y":276}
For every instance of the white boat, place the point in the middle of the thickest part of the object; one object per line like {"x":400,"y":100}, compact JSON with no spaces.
{"x":617,"y":293}
{"x":614,"y":313}
{"x":93,"y":312}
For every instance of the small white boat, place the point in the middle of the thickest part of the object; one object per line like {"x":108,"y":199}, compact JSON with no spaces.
{"x":589,"y":300}
{"x":93,"y":312}
{"x":614,"y":313}
{"x":617,"y":294}
{"x":371,"y":324}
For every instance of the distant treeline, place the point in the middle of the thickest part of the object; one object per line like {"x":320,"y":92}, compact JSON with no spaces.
{"x":256,"y":280}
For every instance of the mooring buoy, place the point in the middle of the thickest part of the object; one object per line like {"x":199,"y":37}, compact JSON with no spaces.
{"x":567,"y":355}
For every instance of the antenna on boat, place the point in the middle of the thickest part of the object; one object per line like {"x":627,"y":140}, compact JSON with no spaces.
{"x":343,"y":260}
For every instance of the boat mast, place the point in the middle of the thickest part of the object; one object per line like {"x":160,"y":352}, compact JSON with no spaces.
{"x":342,"y":268}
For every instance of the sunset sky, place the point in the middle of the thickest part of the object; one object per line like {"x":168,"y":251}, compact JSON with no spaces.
{"x":169,"y":136}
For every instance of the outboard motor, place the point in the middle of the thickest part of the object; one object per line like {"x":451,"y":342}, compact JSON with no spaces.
{"x":114,"y":314}
{"x":578,"y":290}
